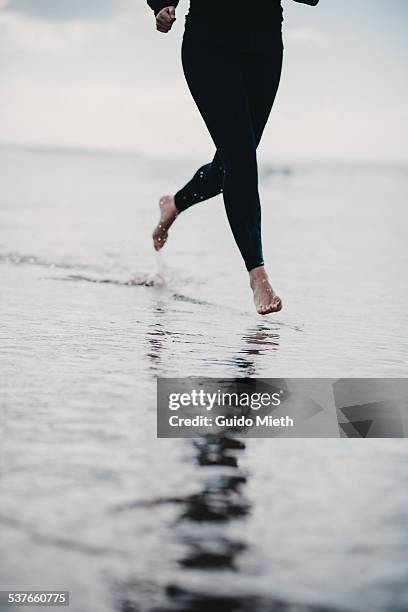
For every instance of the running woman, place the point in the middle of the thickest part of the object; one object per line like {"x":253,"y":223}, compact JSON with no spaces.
{"x":232,"y":60}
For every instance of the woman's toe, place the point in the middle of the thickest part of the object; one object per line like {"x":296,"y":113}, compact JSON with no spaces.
{"x":278,"y":304}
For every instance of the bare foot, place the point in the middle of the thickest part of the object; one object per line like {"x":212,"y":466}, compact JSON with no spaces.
{"x":265,"y":298}
{"x":168,"y":214}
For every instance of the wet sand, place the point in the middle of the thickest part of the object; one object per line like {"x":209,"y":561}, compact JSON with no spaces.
{"x":90,"y":316}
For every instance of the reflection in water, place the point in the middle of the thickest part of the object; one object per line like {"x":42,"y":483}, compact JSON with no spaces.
{"x":202,"y":528}
{"x":156,"y":339}
{"x":260,"y":337}
{"x":222,"y":499}
{"x":256,"y":341}
{"x":254,"y":344}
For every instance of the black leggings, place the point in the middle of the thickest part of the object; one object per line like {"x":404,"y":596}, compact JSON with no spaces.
{"x":234,"y":88}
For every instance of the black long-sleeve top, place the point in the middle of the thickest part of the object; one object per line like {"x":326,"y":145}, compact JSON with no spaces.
{"x":214,"y":5}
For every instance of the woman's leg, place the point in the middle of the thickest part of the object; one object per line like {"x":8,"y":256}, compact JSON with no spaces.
{"x":206,"y":183}
{"x":235,"y":111}
{"x":262,"y":76}
{"x":260,"y":73}
{"x":217,"y":82}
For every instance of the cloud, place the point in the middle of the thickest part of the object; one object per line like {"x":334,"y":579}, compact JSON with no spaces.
{"x":307,"y":36}
{"x":55,"y":10}
{"x":95,"y":73}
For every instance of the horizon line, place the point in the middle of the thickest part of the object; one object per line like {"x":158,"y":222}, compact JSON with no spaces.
{"x":119,"y":152}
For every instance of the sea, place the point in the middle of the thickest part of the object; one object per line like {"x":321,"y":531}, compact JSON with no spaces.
{"x":90,"y":316}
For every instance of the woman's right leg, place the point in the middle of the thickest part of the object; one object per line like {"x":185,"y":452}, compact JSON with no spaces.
{"x":206,"y":183}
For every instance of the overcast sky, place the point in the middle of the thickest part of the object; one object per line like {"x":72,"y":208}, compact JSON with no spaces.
{"x":95,"y":73}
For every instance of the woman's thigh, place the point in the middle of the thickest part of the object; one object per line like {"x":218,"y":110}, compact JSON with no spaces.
{"x":217,"y":83}
{"x":261,"y":73}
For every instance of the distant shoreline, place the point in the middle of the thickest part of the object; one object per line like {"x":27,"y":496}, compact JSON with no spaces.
{"x":278,"y":163}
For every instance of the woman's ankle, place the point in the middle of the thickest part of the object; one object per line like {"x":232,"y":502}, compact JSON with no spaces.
{"x":257,"y":274}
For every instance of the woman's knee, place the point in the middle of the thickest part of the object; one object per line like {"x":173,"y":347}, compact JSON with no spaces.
{"x":241,"y":163}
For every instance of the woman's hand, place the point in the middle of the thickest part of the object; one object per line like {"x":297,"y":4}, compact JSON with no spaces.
{"x":309,"y":2}
{"x":165,"y":19}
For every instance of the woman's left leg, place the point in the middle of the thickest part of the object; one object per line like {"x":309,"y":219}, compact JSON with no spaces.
{"x":262,"y":74}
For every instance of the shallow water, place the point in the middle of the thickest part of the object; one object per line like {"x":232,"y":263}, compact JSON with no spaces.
{"x":90,"y":316}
